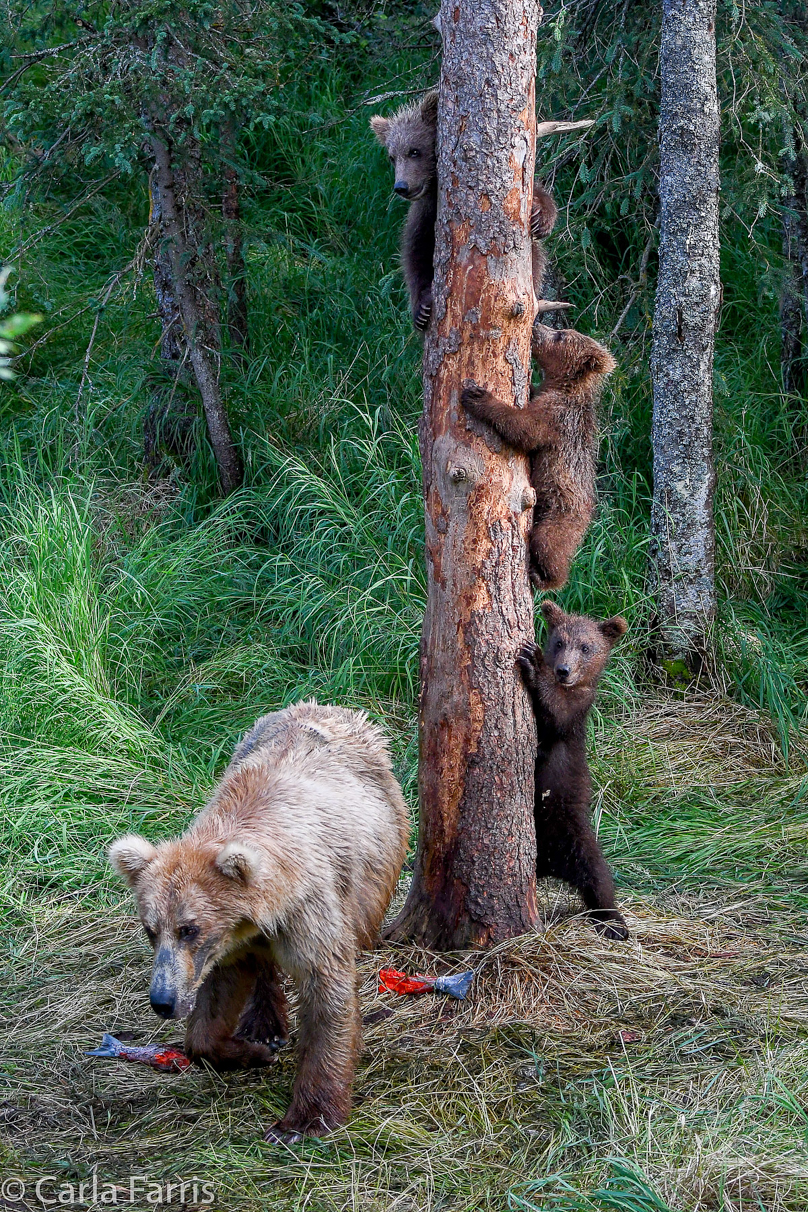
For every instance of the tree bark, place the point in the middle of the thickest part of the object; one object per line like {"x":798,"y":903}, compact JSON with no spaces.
{"x":171,"y":344}
{"x":685,"y":318}
{"x":235,"y":269}
{"x":794,"y":297}
{"x":197,"y":313}
{"x":474,"y":881}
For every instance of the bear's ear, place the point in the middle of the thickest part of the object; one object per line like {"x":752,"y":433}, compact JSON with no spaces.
{"x":130,"y":856}
{"x":552,"y":613}
{"x":239,"y":861}
{"x":614,"y":628}
{"x":381,"y":128}
{"x":429,"y":108}
{"x":599,"y":362}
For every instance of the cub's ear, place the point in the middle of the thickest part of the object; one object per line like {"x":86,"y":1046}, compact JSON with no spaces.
{"x":429,"y":107}
{"x":599,"y":362}
{"x":381,"y":128}
{"x":552,"y":613}
{"x":614,"y":628}
{"x":130,"y":855}
{"x":239,"y":861}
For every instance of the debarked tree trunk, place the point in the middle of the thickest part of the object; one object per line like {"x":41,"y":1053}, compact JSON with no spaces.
{"x":474,"y":880}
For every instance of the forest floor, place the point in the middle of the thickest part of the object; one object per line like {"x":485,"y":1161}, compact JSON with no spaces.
{"x":668,"y":1071}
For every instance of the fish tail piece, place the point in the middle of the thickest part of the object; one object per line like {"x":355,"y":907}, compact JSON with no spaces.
{"x":110,"y":1046}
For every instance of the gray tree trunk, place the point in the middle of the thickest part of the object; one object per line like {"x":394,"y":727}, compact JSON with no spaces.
{"x":685,"y":318}
{"x":794,"y":296}
{"x":474,"y":880}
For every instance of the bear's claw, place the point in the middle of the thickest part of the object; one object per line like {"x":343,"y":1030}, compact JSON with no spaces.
{"x":422,"y":316}
{"x":278,"y":1135}
{"x":614,"y":928}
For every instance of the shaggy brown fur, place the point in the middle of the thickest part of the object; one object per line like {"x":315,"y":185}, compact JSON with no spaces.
{"x":290,"y":867}
{"x":410,"y":139}
{"x":558,"y":427}
{"x":562,"y":682}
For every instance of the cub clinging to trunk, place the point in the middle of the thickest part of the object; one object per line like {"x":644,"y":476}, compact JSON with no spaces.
{"x":558,"y":429}
{"x":290,"y":866}
{"x":410,"y":139}
{"x":562,"y":682}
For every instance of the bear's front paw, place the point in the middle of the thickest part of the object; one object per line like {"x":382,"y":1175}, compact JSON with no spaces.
{"x":613,"y":927}
{"x":279,"y":1135}
{"x":422,"y":311}
{"x":291,"y":1129}
{"x":543,"y":214}
{"x":474,"y":398}
{"x":529,"y":660}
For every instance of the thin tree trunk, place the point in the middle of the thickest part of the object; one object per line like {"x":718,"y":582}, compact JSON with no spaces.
{"x":794,"y":297}
{"x":198,"y":319}
{"x":235,"y":269}
{"x":474,"y":880}
{"x":171,"y":344}
{"x":685,"y":317}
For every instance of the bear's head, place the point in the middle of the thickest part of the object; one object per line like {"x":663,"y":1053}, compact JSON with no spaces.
{"x":410,"y":138}
{"x":196,"y":904}
{"x":577,"y":647}
{"x":569,"y":357}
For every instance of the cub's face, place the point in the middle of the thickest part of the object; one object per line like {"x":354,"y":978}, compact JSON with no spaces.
{"x":571,"y":355}
{"x":409,"y":139}
{"x":194,"y":906}
{"x":578,"y":647}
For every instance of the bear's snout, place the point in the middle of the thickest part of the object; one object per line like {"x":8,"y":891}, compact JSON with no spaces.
{"x":163,"y":993}
{"x":401,"y":188}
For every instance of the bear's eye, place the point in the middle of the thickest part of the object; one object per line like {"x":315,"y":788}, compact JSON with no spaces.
{"x":151,"y":935}
{"x":559,"y":644}
{"x":392,"y":159}
{"x":585,"y":649}
{"x":186,"y":933}
{"x":413,"y":153}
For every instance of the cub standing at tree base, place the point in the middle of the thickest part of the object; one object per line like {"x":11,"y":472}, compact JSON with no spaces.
{"x":558,"y":427}
{"x":290,"y":866}
{"x":562,"y":682}
{"x":410,"y":139}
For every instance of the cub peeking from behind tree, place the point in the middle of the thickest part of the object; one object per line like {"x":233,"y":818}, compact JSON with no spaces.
{"x":563,"y":682}
{"x":290,"y":867}
{"x":558,"y":429}
{"x":410,"y":139}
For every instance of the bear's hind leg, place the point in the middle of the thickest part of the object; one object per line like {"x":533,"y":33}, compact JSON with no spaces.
{"x":330,"y":1030}
{"x":210,"y":1034}
{"x":577,"y":858}
{"x":264,"y":1020}
{"x":554,"y":541}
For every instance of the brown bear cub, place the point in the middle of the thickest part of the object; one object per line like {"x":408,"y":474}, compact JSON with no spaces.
{"x":410,"y":139}
{"x":558,"y":428}
{"x":563,"y":682}
{"x":290,"y":867}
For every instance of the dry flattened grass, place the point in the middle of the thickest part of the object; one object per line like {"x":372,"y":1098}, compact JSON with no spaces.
{"x":668,"y":1049}
{"x":703,"y":739}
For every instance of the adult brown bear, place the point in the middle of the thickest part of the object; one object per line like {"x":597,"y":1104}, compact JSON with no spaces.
{"x":290,"y":866}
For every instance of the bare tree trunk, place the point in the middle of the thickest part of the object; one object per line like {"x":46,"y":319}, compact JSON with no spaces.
{"x":794,"y":297}
{"x":235,"y":271}
{"x":685,"y":318}
{"x":474,"y":880}
{"x":199,"y":321}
